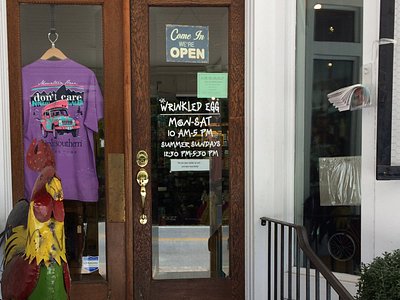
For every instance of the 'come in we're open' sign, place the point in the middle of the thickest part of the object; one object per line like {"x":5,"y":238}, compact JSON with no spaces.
{"x":187,"y":44}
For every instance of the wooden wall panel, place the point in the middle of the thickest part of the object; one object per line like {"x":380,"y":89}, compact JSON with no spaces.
{"x":95,"y":290}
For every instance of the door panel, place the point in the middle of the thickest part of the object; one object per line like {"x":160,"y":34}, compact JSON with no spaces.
{"x":191,"y":243}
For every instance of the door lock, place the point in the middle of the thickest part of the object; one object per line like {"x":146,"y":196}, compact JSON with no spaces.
{"x":142,"y":158}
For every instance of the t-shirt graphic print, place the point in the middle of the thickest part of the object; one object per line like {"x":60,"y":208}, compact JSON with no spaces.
{"x":62,"y":105}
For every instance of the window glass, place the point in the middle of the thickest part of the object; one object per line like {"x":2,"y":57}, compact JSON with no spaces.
{"x":334,"y":25}
{"x":332,"y":217}
{"x":190,"y":134}
{"x":328,"y":141}
{"x":63,"y":106}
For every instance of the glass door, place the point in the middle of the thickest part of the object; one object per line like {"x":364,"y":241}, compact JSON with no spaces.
{"x":188,"y":140}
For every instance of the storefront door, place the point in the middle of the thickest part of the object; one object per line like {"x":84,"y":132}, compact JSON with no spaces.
{"x":187,"y":211}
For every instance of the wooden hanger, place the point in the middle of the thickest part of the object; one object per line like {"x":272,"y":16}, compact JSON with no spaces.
{"x":53,"y":52}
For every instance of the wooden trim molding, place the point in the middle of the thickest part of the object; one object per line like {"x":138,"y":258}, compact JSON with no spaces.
{"x":5,"y":149}
{"x":17,"y":149}
{"x":61,"y":2}
{"x":128,"y":148}
{"x":190,"y":3}
{"x":249,"y":149}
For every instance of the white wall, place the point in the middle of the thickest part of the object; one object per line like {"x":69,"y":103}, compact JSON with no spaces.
{"x":270,"y":61}
{"x":5,"y":148}
{"x":381,"y":199}
{"x":270,"y":135}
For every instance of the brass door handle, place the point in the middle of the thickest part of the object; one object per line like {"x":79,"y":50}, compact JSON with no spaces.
{"x":142,"y":179}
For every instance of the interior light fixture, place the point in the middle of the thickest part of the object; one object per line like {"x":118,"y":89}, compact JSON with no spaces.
{"x":318,"y":6}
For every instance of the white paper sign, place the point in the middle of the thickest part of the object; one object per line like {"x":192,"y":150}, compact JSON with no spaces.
{"x":182,"y":165}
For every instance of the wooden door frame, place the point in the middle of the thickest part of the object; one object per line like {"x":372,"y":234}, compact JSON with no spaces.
{"x":117,"y":86}
{"x":141,"y":273}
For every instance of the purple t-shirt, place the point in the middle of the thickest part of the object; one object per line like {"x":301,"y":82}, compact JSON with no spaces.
{"x":62,"y":104}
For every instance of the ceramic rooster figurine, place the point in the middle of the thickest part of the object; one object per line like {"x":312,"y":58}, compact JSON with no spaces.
{"x":35,"y":264}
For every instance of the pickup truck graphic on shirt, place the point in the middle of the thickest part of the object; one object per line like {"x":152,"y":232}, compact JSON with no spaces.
{"x":55,"y":119}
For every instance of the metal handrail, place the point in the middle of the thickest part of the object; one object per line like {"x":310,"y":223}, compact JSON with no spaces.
{"x":320,"y":267}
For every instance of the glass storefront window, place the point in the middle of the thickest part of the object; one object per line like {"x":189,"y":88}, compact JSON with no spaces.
{"x":334,"y":227}
{"x":328,"y":142}
{"x":190,"y":134}
{"x":64,"y":93}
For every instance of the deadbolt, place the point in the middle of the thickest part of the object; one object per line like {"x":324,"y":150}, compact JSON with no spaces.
{"x":142,"y":158}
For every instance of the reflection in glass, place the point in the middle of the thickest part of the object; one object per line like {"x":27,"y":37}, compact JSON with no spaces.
{"x":335,"y":25}
{"x":333,"y":227}
{"x":190,"y":183}
{"x":80,"y":34}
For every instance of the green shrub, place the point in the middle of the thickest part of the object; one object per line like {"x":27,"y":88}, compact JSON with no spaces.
{"x":380,"y":280}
